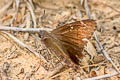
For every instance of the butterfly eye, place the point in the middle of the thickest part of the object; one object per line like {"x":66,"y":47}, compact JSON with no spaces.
{"x":43,"y":34}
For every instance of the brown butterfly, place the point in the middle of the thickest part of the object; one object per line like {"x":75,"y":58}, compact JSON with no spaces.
{"x":68,"y":40}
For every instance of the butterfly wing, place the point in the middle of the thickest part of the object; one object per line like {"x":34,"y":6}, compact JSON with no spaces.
{"x":71,"y":37}
{"x":54,"y":47}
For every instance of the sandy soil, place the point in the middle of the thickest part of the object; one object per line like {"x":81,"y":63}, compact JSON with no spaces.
{"x":18,"y":63}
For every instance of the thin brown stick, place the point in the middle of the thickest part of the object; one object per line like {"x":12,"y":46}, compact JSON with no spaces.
{"x":102,"y":76}
{"x":92,"y":65}
{"x":87,"y":9}
{"x":81,"y":2}
{"x":32,"y":14}
{"x":68,"y":70}
{"x":51,"y":73}
{"x":17,"y":4}
{"x":31,"y":3}
{"x":24,"y":45}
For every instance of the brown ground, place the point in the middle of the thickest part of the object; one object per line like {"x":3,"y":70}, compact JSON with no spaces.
{"x":18,"y":63}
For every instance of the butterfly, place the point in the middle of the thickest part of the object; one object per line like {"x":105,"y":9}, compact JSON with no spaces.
{"x":68,"y":40}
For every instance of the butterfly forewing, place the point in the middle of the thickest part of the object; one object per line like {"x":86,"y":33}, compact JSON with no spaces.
{"x":76,"y":31}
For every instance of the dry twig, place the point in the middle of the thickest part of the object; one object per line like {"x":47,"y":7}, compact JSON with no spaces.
{"x":102,"y":76}
{"x":17,"y":4}
{"x":31,"y":3}
{"x":87,"y":9}
{"x":24,"y":45}
{"x":51,"y":73}
{"x":85,"y":3}
{"x":9,"y":28}
{"x":105,"y":53}
{"x":100,"y":45}
{"x":32,"y":13}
